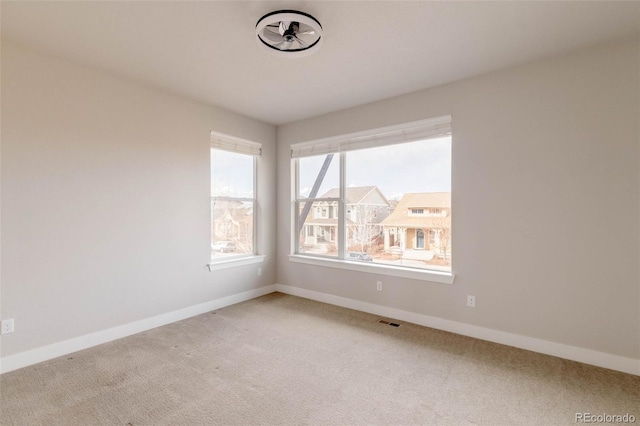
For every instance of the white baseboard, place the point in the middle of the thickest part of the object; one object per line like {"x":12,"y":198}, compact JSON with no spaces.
{"x":54,"y":350}
{"x":587,"y":356}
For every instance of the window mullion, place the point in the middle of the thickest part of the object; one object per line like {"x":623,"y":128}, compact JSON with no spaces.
{"x":342,"y":220}
{"x":295,"y":208}
{"x":255,"y":205}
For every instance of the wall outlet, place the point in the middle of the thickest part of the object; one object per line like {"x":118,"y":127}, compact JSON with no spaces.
{"x":379,"y":285}
{"x":259,"y":272}
{"x":471,"y":301}
{"x":7,"y":326}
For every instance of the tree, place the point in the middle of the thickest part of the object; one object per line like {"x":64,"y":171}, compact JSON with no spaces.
{"x":364,"y":230}
{"x":443,"y":236}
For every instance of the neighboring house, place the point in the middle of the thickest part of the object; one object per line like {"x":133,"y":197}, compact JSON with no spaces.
{"x":366,"y":208}
{"x":232,"y":221}
{"x":420,"y":221}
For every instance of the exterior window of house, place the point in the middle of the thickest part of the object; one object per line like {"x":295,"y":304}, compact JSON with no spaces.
{"x":233,"y":197}
{"x":381,"y":175}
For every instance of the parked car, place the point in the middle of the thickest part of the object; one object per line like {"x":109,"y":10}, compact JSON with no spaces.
{"x":362,"y":257}
{"x":224,"y":246}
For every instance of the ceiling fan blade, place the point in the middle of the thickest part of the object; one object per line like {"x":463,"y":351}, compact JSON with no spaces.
{"x":284,"y":26}
{"x":310,"y":32}
{"x":273,"y":28}
{"x":285,"y":45}
{"x":302,"y":43}
{"x":273,"y":37}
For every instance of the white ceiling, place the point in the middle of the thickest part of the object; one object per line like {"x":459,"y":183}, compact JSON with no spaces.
{"x":372,"y":50}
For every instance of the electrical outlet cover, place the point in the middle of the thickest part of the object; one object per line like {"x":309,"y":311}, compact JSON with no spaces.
{"x":7,"y":326}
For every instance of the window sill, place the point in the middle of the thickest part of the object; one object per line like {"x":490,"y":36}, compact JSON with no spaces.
{"x":234,"y":262}
{"x":373,"y":268}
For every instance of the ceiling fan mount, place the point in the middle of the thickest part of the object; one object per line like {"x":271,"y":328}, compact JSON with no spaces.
{"x":289,"y":33}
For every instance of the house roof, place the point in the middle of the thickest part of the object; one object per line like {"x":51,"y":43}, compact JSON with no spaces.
{"x":425,"y":200}
{"x":400,"y":215}
{"x":355,"y":194}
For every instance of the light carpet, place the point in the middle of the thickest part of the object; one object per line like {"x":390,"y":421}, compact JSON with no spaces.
{"x":284,"y":360}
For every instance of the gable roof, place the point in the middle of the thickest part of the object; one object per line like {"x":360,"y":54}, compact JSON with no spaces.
{"x":424,"y":200}
{"x":355,"y":194}
{"x":400,"y":216}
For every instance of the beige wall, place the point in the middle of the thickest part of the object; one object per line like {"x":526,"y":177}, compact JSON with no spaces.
{"x":545,"y":162}
{"x":106,"y":202}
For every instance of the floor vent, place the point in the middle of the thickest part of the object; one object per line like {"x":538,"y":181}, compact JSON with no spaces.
{"x":392,"y":324}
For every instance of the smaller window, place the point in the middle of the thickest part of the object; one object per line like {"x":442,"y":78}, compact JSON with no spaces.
{"x":417,"y":211}
{"x":233,"y":196}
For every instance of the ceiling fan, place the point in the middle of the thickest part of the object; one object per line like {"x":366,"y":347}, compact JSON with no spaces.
{"x":289,"y":33}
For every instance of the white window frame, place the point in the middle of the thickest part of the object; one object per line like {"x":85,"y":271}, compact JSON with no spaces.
{"x":403,"y":133}
{"x":224,"y":142}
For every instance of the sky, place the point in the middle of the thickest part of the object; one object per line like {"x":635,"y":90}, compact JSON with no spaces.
{"x":231,"y":174}
{"x":422,"y":166}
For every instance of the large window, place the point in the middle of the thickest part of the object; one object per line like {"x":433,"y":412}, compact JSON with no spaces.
{"x":381,"y":197}
{"x":233,"y":197}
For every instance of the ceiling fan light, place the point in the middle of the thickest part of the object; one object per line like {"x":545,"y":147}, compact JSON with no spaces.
{"x":289,"y":33}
